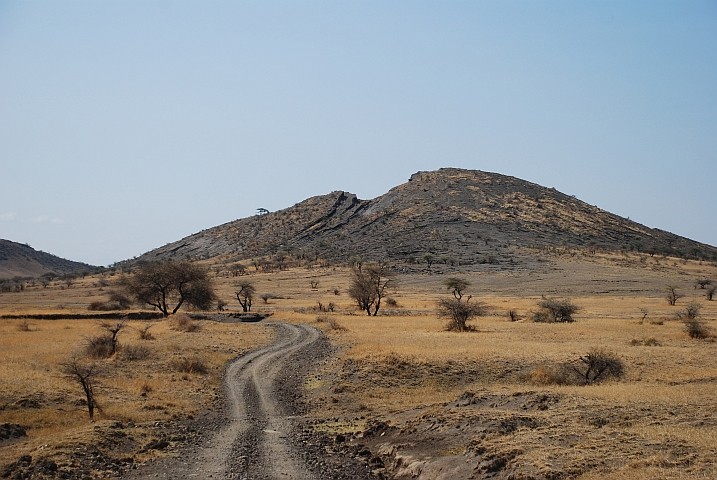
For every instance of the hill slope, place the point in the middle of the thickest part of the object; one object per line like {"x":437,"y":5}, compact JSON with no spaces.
{"x":464,"y":214}
{"x":21,"y":260}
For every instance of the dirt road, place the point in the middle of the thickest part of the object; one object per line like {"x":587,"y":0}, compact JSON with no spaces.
{"x":256,"y":440}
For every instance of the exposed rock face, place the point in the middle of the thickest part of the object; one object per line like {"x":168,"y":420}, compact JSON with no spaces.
{"x":465,"y":214}
{"x":21,"y":260}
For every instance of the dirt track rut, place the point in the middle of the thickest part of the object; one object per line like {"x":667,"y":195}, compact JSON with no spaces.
{"x":255,"y":442}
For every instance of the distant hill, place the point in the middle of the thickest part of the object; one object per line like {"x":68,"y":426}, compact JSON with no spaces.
{"x":466,"y":215}
{"x":21,"y":260}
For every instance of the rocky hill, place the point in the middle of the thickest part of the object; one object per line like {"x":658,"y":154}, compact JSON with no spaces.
{"x":21,"y":260}
{"x":465,"y":215}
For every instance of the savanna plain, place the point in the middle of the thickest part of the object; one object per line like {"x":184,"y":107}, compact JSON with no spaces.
{"x":417,"y":400}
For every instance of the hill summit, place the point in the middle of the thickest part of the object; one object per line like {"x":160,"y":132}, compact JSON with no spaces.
{"x":464,"y":215}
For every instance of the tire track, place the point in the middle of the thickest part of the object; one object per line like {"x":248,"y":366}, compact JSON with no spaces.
{"x":255,"y":442}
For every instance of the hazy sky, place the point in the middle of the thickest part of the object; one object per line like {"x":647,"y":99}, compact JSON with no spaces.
{"x":125,"y":125}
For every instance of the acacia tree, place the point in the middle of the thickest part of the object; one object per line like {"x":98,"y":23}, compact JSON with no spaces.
{"x":245,"y":295}
{"x":369,"y":285}
{"x":456,"y":286}
{"x":672,"y":295}
{"x":162,"y":284}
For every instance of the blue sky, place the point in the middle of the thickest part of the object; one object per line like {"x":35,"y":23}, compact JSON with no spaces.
{"x":125,"y":125}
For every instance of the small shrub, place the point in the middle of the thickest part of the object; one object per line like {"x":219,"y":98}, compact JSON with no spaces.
{"x":554,"y":310}
{"x":322,"y":319}
{"x":459,"y":313}
{"x":334,"y":324}
{"x":696,"y":329}
{"x":599,"y":365}
{"x":100,"y":346}
{"x":146,"y":388}
{"x":190,"y":365}
{"x":562,"y":374}
{"x":336,"y":291}
{"x":646,"y":342}
{"x":183,"y":323}
{"x":692,"y":310}
{"x":513,"y":315}
{"x":267,"y":296}
{"x":135,"y":352}
{"x":23,"y":326}
{"x":391,"y":302}
{"x":144,"y":333}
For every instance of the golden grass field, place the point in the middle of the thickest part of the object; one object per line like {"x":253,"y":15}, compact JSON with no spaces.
{"x":658,"y":421}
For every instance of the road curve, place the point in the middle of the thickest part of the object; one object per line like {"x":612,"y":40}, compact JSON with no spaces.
{"x":255,"y":443}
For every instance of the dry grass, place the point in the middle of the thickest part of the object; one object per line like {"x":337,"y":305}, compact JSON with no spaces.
{"x":405,"y":364}
{"x":137,"y":386}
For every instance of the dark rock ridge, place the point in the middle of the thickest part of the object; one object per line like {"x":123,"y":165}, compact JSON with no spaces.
{"x":466,"y":215}
{"x":21,"y":260}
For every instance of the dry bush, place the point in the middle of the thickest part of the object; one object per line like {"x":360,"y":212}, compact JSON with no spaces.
{"x":100,"y":346}
{"x":146,"y":388}
{"x":322,"y":319}
{"x":23,"y":326}
{"x":459,"y":313}
{"x":334,"y":324}
{"x":391,"y":302}
{"x":696,"y":329}
{"x":646,"y":342}
{"x":182,"y":323}
{"x":144,"y":333}
{"x":596,"y":366}
{"x":190,"y":365}
{"x":513,"y":315}
{"x":600,"y":365}
{"x":692,"y":310}
{"x":555,"y":310}
{"x":562,"y":374}
{"x":135,"y":352}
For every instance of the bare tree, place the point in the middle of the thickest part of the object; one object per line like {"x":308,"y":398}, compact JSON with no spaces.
{"x":672,"y":295}
{"x":85,"y":374}
{"x":456,"y":286}
{"x":369,"y":285}
{"x":245,"y":295}
{"x":163,"y":284}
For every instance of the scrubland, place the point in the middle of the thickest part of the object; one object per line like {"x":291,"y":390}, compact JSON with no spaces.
{"x":447,"y":405}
